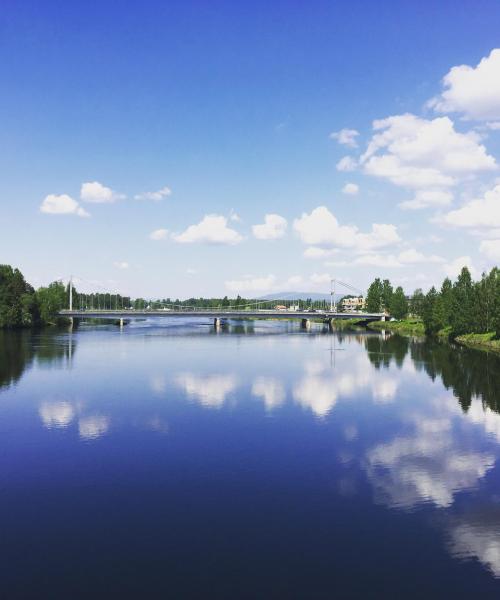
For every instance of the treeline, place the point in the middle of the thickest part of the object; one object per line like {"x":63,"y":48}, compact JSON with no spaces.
{"x":22,"y":306}
{"x":465,"y":306}
{"x":458,"y":308}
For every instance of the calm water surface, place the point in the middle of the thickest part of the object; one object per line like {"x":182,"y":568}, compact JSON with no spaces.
{"x":167,"y":461}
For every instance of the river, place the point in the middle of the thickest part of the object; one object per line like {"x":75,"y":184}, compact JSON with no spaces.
{"x":259,"y":461}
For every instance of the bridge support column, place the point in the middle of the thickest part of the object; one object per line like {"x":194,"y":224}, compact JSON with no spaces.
{"x":71,"y":323}
{"x":217,"y":323}
{"x":383,"y":318}
{"x":121,"y":323}
{"x":330,"y":324}
{"x":305,"y":324}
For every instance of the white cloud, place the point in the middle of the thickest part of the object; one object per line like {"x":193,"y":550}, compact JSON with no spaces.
{"x":208,"y":390}
{"x":273,"y":228}
{"x":93,"y":427}
{"x":121,"y":264}
{"x":452,"y":269}
{"x":293,"y":281}
{"x":351,"y":189}
{"x":271,"y":390}
{"x":428,"y":198}
{"x":190,"y":271}
{"x":56,"y":414}
{"x":473,"y":91}
{"x":95,"y":192}
{"x":346,"y":164}
{"x":491,"y":249}
{"x":155,"y":196}
{"x":158,"y":234}
{"x":346,"y":137}
{"x":479,"y":213}
{"x":62,"y":205}
{"x":234,"y":216}
{"x":212,"y":229}
{"x":321,"y":228}
{"x":255,"y":284}
{"x":423,"y":154}
{"x":494,"y":125}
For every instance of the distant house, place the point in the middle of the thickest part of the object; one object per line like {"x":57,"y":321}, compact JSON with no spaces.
{"x":280,"y":307}
{"x":353,"y":303}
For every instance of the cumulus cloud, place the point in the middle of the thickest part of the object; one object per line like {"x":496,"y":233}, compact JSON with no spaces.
{"x":321,"y":228}
{"x":479,"y":213}
{"x":155,"y":196}
{"x":251,"y":284}
{"x":93,"y":427}
{"x":423,"y":154}
{"x":347,"y":164}
{"x":351,"y":189}
{"x":56,"y":414}
{"x":472,"y":91}
{"x":212,"y":229}
{"x":271,"y":391}
{"x":62,"y":205}
{"x":97,"y":193}
{"x":452,"y":269}
{"x":209,"y":390}
{"x":428,"y":199}
{"x":158,"y":234}
{"x":491,"y":249}
{"x":346,"y":137}
{"x":273,"y":228}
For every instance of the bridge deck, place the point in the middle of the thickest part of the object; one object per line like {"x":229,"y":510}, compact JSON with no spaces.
{"x":218,"y":314}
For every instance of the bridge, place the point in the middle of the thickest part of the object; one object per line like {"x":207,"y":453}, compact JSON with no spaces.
{"x":218,"y":315}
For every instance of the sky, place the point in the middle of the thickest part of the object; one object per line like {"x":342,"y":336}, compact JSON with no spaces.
{"x":179,"y":149}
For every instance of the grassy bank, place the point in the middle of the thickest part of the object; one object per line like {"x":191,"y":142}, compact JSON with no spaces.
{"x":405,"y":327}
{"x":484,"y":341}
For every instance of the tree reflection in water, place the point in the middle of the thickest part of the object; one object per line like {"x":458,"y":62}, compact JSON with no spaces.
{"x":19,"y":350}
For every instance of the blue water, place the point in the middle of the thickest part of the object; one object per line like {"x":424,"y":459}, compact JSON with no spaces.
{"x":262,"y":461}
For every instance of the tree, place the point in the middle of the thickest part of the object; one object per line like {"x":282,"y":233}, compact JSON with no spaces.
{"x":386,"y":294}
{"x":18,"y":306}
{"x":374,"y":297}
{"x":417,"y":303}
{"x":462,"y":307}
{"x":51,"y":300}
{"x":430,"y":318}
{"x":399,"y":305}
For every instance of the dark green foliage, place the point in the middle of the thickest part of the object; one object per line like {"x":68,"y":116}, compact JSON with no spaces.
{"x":387,"y":294}
{"x":374,"y":297}
{"x":417,"y":303}
{"x":399,"y":305}
{"x":18,"y":306}
{"x":51,"y":300}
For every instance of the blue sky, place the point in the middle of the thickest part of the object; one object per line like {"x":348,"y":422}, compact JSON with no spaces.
{"x":144,"y":142}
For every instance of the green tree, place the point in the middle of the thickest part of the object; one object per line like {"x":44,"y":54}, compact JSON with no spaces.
{"x":374,"y":297}
{"x":430,"y":311}
{"x":462,"y":304}
{"x":18,"y":306}
{"x":399,"y":305}
{"x":387,"y":293}
{"x":51,"y":300}
{"x":416,"y":306}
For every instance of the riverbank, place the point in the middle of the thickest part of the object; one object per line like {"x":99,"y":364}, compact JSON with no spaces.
{"x":404,"y":327}
{"x":481,"y":341}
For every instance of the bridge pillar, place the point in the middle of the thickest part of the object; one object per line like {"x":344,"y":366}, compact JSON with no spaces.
{"x":305,"y":324}
{"x":383,"y":318}
{"x":217,"y":323}
{"x":330,"y":324}
{"x":121,"y":323}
